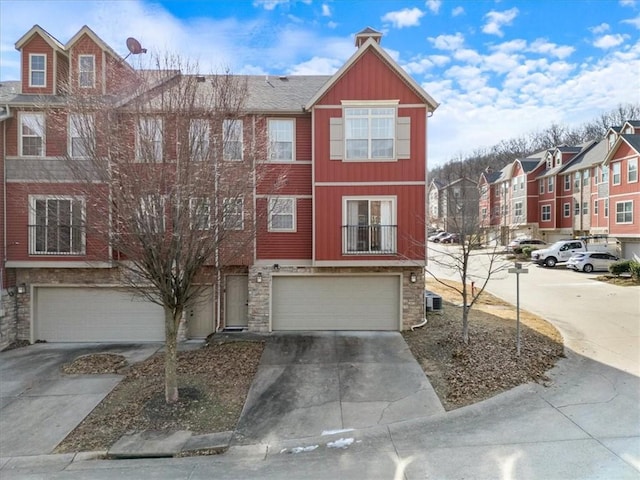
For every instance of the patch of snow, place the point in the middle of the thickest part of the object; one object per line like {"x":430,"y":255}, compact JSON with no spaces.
{"x":310,"y":448}
{"x":333,"y":432}
{"x":341,"y":443}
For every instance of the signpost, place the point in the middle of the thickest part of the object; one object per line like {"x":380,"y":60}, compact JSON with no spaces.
{"x":517,"y":269}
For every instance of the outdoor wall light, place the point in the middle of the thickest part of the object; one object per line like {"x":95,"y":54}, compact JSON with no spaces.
{"x":22,"y":288}
{"x":259,"y":277}
{"x":276,"y":267}
{"x":413,"y":278}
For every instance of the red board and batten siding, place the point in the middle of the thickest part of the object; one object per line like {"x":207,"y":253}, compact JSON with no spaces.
{"x":409,"y":218}
{"x":285,"y":245}
{"x":624,"y":192}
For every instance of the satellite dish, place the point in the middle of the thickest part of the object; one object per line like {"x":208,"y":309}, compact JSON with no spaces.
{"x":134,"y":46}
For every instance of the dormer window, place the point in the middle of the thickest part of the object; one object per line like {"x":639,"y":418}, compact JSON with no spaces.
{"x":37,"y":70}
{"x":86,"y":71}
{"x":558,"y":159}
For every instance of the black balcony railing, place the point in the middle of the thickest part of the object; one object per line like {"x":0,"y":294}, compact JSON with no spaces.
{"x":369,"y":239}
{"x":56,"y":240}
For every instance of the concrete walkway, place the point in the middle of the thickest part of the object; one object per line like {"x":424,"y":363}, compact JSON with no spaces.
{"x":312,"y":383}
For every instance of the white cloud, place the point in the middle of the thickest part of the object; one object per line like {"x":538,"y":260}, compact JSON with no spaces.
{"x":317,"y":66}
{"x":332,"y":25}
{"x":439,"y":60}
{"x":496,"y":20}
{"x":269,"y":4}
{"x":598,"y":29}
{"x":633,"y":21}
{"x":457,"y":11}
{"x":517,"y":45}
{"x":543,"y":46}
{"x":407,"y":17}
{"x":434,"y":5}
{"x":447,"y":42}
{"x":609,"y":41}
{"x":418,"y":66}
{"x":467,"y":55}
{"x":628,"y":3}
{"x":326,"y":10}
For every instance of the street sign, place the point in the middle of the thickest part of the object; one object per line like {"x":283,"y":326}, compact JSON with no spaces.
{"x":517,"y":269}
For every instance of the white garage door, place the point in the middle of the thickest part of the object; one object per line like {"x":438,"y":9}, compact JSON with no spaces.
{"x":336,"y":303}
{"x":95,"y":315}
{"x":631,"y":250}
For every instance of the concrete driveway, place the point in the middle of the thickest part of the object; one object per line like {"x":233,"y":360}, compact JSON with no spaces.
{"x":310,"y":384}
{"x":39,"y":405}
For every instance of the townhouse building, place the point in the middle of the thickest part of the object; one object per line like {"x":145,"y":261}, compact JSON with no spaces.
{"x":338,"y":245}
{"x":453,"y":206}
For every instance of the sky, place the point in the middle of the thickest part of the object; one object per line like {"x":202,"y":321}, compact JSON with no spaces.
{"x":498,"y":68}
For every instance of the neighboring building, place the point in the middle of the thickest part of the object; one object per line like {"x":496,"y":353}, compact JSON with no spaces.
{"x":341,"y":248}
{"x":453,"y":207}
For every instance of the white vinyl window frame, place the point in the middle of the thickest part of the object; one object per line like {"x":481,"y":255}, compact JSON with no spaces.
{"x":200,"y":213}
{"x":585,"y":178}
{"x":566,"y":210}
{"x":57,"y":225}
{"x":550,"y":184}
{"x":86,"y":71}
{"x":149,"y":139}
{"x":282,"y":139}
{"x":199,"y":139}
{"x":38,"y":70}
{"x":624,"y":212}
{"x":567,"y":183}
{"x":606,"y":207}
{"x":595,"y":207}
{"x":546,"y":213}
{"x":31,"y":134}
{"x":632,"y":170}
{"x":282,"y":214}
{"x":150,"y":214}
{"x":585,"y":208}
{"x":616,"y":173}
{"x":81,"y":135}
{"x":517,"y":209}
{"x":541,"y":185}
{"x":233,"y":213}
{"x":370,"y":132}
{"x":381,"y":214}
{"x":232,"y":140}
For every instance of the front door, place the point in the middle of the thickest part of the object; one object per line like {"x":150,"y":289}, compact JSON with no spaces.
{"x":237,"y":301}
{"x":200,"y":315}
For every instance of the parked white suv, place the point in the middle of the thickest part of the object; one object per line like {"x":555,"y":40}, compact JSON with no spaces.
{"x":591,"y":261}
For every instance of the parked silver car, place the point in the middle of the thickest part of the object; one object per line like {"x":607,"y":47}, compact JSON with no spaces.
{"x":518,"y":244}
{"x":591,"y":262}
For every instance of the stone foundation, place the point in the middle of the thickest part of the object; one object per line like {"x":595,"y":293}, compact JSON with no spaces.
{"x":8,"y":319}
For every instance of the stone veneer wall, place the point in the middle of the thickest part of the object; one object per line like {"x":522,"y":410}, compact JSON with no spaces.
{"x":8,"y":319}
{"x":258,"y":309}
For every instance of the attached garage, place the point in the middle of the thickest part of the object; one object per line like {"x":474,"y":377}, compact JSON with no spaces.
{"x":100,"y":314}
{"x":369,"y":302}
{"x":630,"y":249}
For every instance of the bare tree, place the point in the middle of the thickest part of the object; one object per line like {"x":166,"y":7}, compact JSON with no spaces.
{"x":465,"y":258}
{"x":167,"y":175}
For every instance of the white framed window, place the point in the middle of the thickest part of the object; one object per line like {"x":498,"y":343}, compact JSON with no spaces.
{"x":232,"y":139}
{"x":567,"y":183}
{"x":605,"y":173}
{"x":541,"y":185}
{"x":558,"y":159}
{"x":595,"y":207}
{"x":521,"y":180}
{"x":282,"y":214}
{"x":606,"y":207}
{"x":86,"y":71}
{"x":514,"y":183}
{"x":32,"y":134}
{"x":150,"y":214}
{"x":576,"y":181}
{"x":576,"y":208}
{"x":200,"y":213}
{"x":585,"y":177}
{"x":546,"y":213}
{"x":149,"y":140}
{"x":369,"y":133}
{"x":632,"y":170}
{"x":199,"y":139}
{"x":517,"y":209}
{"x":281,"y":139}
{"x":550,"y":184}
{"x":56,"y":225}
{"x":233,"y":213}
{"x":369,"y":225}
{"x":566,"y":210}
{"x":585,"y":208}
{"x":624,"y":212}
{"x":615,"y":173}
{"x":81,"y":135}
{"x":37,"y":70}
{"x":612,"y":139}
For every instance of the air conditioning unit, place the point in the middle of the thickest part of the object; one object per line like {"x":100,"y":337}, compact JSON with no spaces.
{"x":433,"y":302}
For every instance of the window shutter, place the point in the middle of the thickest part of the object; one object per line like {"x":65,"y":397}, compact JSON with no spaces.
{"x":403,"y":138}
{"x":336,"y":139}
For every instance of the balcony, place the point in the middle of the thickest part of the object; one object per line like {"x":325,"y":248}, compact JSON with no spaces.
{"x":369,"y":239}
{"x":56,"y":240}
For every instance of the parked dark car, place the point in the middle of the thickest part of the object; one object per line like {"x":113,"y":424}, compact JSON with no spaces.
{"x":451,"y":238}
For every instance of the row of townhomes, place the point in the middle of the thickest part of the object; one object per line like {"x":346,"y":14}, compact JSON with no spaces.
{"x":569,"y":191}
{"x":337,"y":199}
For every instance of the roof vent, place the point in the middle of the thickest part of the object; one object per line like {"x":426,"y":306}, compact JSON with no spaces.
{"x":200,"y":78}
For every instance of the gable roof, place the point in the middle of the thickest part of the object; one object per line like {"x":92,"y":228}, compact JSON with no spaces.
{"x":46,"y":36}
{"x":633,"y":140}
{"x":592,"y":155}
{"x":371,"y":43}
{"x":85,"y":30}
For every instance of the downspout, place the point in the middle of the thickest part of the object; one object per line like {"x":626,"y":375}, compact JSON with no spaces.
{"x":216,"y":257}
